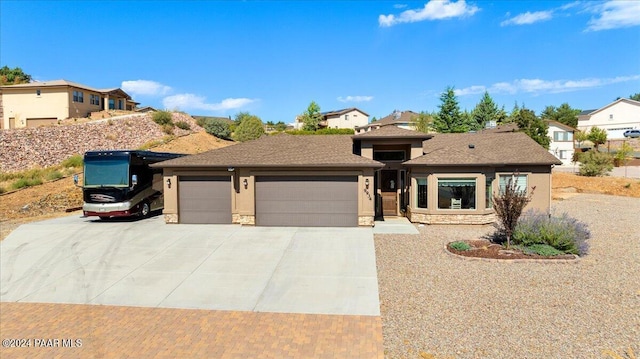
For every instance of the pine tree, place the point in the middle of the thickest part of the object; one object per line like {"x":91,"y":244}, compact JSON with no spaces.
{"x":533,"y":126}
{"x":449,"y":119}
{"x":486,"y":110}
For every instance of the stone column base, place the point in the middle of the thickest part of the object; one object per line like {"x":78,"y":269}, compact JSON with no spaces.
{"x":244,"y":219}
{"x":366,"y":221}
{"x":171,"y":218}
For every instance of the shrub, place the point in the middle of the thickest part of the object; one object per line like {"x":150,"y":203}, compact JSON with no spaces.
{"x":162,"y":118}
{"x":250,"y":128}
{"x":73,"y":161}
{"x":540,"y":249}
{"x":25,"y":182}
{"x":218,"y":128}
{"x":168,"y":128}
{"x":460,"y":246}
{"x":563,"y":233}
{"x":54,"y":175}
{"x":2,"y":190}
{"x":508,"y":205}
{"x":183,"y":125}
{"x":595,"y":163}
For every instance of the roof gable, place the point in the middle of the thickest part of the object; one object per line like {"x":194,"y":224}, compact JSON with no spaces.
{"x":477,"y":149}
{"x":281,"y":150}
{"x":614,"y":103}
{"x":342,"y":112}
{"x":561,"y":125}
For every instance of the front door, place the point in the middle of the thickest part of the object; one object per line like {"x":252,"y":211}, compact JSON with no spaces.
{"x":389,"y":189}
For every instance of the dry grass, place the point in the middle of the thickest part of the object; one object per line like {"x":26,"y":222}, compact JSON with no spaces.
{"x":571,"y":183}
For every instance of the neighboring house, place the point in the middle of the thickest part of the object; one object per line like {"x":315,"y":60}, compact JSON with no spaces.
{"x":345,"y":118}
{"x":41,"y":103}
{"x":401,"y":119}
{"x":342,"y":180}
{"x":562,"y":144}
{"x":616,"y":117}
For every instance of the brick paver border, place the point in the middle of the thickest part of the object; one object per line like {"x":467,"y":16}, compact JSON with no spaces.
{"x":91,"y":331}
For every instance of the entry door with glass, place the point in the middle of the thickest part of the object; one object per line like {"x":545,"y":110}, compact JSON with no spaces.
{"x":389,"y":189}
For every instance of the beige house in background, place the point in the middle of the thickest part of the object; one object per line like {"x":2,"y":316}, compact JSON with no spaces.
{"x":343,"y":180}
{"x":402,"y":119}
{"x":42,"y":103}
{"x":345,"y":118}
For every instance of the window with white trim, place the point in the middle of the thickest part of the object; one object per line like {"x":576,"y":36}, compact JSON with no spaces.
{"x":78,"y":96}
{"x":562,"y":136}
{"x":520,"y":181}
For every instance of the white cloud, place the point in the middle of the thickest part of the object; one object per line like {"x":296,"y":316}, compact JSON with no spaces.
{"x":615,"y":14}
{"x":355,"y":98}
{"x":433,"y":10}
{"x":399,"y":6}
{"x":145,"y":87}
{"x":538,"y":86}
{"x":189,"y":101}
{"x":528,"y":18}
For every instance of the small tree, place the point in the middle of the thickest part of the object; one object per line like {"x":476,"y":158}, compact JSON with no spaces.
{"x":508,"y":205}
{"x":424,"y":122}
{"x":623,"y":154}
{"x":598,"y":136}
{"x":250,"y":129}
{"x":595,"y":163}
{"x":163,"y":118}
{"x":311,"y":117}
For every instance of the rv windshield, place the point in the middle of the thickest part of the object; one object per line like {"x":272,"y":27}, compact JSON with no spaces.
{"x":112,"y":172}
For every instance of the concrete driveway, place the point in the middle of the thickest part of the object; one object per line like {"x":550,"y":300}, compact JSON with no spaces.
{"x":148,"y":263}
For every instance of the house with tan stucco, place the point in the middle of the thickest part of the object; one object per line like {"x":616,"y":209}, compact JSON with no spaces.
{"x":42,"y":103}
{"x":344,"y":118}
{"x":353,"y":180}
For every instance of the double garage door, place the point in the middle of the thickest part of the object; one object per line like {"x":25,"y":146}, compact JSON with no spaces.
{"x":300,"y":201}
{"x":307,"y":201}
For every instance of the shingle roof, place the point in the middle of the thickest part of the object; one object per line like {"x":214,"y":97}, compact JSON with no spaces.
{"x":510,"y":148}
{"x":390,"y":131}
{"x":560,"y":125}
{"x":281,"y":150}
{"x":405,"y":117}
{"x":507,"y":127}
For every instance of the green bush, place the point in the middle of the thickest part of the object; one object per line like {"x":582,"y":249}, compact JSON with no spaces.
{"x":216,"y":127}
{"x":249,"y":129}
{"x":594,"y":163}
{"x":540,"y":249}
{"x":53,"y":175}
{"x":73,"y":161}
{"x":563,"y":233}
{"x":460,"y":246}
{"x":168,"y":128}
{"x":183,"y":125}
{"x":162,"y":118}
{"x":25,"y":182}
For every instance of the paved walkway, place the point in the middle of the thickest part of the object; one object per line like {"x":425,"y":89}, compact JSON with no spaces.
{"x":128,"y":332}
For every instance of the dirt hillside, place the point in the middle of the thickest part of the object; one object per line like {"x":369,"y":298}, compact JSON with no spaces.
{"x":53,"y":199}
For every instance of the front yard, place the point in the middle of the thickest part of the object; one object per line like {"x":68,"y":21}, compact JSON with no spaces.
{"x":435,"y":305}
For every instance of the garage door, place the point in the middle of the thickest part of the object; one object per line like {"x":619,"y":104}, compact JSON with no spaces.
{"x":37,"y":122}
{"x":204,"y":199}
{"x":307,"y":201}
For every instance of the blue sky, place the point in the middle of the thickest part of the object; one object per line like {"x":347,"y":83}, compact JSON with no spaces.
{"x":272,"y":58}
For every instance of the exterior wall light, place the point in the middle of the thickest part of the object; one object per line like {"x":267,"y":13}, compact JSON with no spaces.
{"x":245,"y":183}
{"x":168,"y":182}
{"x":366,"y":183}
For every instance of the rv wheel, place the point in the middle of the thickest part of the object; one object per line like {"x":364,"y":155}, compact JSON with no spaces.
{"x":144,"y":211}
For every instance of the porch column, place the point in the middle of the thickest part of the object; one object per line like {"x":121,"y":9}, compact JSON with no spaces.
{"x":106,"y":103}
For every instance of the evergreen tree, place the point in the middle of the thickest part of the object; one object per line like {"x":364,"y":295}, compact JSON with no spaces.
{"x":486,"y":110}
{"x":533,"y":126}
{"x":563,"y":114}
{"x":311,"y":117}
{"x":13,"y":76}
{"x":449,"y":119}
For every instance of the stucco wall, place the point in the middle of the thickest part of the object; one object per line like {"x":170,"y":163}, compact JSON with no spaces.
{"x":619,"y":115}
{"x":350,"y":119}
{"x":555,"y":147}
{"x":22,"y":104}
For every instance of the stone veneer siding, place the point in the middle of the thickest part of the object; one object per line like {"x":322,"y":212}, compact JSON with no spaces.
{"x":484,"y":218}
{"x":244,"y":219}
{"x":170,"y":218}
{"x":366,"y":221}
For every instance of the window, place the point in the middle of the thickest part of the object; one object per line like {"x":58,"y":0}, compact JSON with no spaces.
{"x":119,"y":104}
{"x":562,"y":136}
{"x":564,"y":154}
{"x":78,"y":96}
{"x":520,"y":180}
{"x":389,"y":155}
{"x":112,"y":104}
{"x":456,"y":193}
{"x":38,"y":92}
{"x":346,"y":117}
{"x":488,"y":193}
{"x":94,"y":99}
{"x":611,"y":117}
{"x":421,"y":201}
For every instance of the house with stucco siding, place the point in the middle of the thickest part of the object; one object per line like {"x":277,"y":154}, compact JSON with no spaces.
{"x":615,"y":118}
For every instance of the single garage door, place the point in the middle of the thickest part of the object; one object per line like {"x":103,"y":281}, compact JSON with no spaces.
{"x":38,"y":122}
{"x":307,"y":201}
{"x":204,"y":199}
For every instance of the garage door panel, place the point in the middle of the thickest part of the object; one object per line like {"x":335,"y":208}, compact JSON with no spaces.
{"x":205,"y":200}
{"x":321,"y":201}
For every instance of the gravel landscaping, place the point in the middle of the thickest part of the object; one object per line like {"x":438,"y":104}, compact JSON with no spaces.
{"x":437,"y":305}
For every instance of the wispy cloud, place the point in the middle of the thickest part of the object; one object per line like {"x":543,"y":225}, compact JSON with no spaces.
{"x":145,"y":87}
{"x":189,"y":101}
{"x":433,"y":10}
{"x":614,"y":14}
{"x":399,"y":6}
{"x":528,"y":18}
{"x":538,"y":86}
{"x":355,"y":98}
